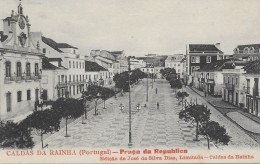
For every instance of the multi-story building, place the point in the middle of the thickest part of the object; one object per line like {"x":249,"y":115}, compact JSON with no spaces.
{"x":198,"y":55}
{"x":53,"y":83}
{"x":251,"y":87}
{"x":234,"y":83}
{"x":114,"y":61}
{"x":70,"y":59}
{"x":136,"y":63}
{"x":20,"y":66}
{"x":96,"y":74}
{"x":177,"y":62}
{"x":249,"y":52}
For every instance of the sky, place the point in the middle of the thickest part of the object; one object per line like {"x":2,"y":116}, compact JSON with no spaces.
{"x":140,"y":27}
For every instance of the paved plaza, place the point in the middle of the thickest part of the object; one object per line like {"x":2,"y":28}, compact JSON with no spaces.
{"x":151,"y":127}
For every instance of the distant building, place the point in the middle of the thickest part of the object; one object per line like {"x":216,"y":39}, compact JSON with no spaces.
{"x":177,"y":62}
{"x":249,"y":52}
{"x":198,"y":55}
{"x":136,"y":63}
{"x":21,"y":65}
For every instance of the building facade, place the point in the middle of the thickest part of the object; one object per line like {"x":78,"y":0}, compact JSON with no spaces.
{"x":198,"y":55}
{"x":249,"y":52}
{"x":177,"y":62}
{"x":21,"y":64}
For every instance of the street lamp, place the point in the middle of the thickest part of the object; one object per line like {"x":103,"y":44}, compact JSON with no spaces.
{"x":121,"y":107}
{"x":138,"y":107}
{"x":130,"y":128}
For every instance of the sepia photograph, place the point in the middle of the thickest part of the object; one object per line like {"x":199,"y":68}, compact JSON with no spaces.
{"x":129,"y":81}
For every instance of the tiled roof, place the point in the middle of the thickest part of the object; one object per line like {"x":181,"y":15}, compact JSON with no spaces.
{"x":216,"y":66}
{"x":51,"y":43}
{"x":2,"y":36}
{"x":203,"y":48}
{"x":65,"y":45}
{"x":232,"y":64}
{"x":92,"y":66}
{"x":55,"y":59}
{"x":46,"y":65}
{"x":253,"y":67}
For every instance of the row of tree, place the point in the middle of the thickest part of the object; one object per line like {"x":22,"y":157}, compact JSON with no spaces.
{"x":19,"y":135}
{"x":170,"y":75}
{"x":122,"y":80}
{"x":211,"y":130}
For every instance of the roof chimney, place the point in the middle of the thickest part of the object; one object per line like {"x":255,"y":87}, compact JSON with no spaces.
{"x":217,"y":45}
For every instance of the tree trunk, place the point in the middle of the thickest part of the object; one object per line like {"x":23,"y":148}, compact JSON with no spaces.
{"x":66,"y":127}
{"x":104,"y":104}
{"x":95,"y":108}
{"x":208,"y":142}
{"x":197,"y":131}
{"x":42,"y":139}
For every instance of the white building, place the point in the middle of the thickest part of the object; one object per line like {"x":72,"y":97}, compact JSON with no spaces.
{"x":136,"y":63}
{"x":177,"y":62}
{"x":20,"y":66}
{"x":70,"y":59}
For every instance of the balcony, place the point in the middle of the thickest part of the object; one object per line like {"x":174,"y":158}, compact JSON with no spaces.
{"x":229,"y":86}
{"x":62,"y":84}
{"x":76,"y":82}
{"x":23,"y":77}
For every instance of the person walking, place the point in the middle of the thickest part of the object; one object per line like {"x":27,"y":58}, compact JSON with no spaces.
{"x":158,"y":105}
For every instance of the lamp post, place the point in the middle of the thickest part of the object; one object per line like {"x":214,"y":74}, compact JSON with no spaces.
{"x":98,"y":95}
{"x":147,"y":88}
{"x":130,"y":128}
{"x":138,"y":107}
{"x":121,"y":107}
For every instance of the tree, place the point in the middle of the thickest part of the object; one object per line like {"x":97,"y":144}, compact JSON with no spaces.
{"x":167,"y":72}
{"x":214,"y":133}
{"x":93,"y":93}
{"x":15,"y":136}
{"x":68,"y":108}
{"x":42,"y":122}
{"x":175,"y":84}
{"x":105,"y":94}
{"x":197,"y":113}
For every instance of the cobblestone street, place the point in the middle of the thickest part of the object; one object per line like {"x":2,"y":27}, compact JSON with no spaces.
{"x":151,"y":127}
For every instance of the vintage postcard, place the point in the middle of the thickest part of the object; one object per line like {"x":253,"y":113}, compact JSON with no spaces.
{"x":129,"y":81}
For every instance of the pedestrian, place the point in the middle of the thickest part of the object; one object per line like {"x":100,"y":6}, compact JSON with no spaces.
{"x":157,"y":105}
{"x":156,"y":90}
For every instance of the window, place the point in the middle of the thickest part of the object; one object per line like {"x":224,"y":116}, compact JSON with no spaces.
{"x":178,"y":70}
{"x":192,"y":69}
{"x":232,"y":82}
{"x":224,"y":79}
{"x":8,"y":69}
{"x":36,"y":69}
{"x":28,"y":94}
{"x":73,"y":64}
{"x":77,"y":78}
{"x":28,"y":69}
{"x":74,"y":51}
{"x":8,"y":102}
{"x":193,"y":59}
{"x":208,"y":59}
{"x":19,"y":96}
{"x":197,"y":59}
{"x":69,"y":64}
{"x":70,"y":78}
{"x":73,"y":78}
{"x":44,"y":50}
{"x":83,"y":65}
{"x":77,"y":65}
{"x":19,"y":69}
{"x":236,"y":81}
{"x":44,"y":94}
{"x":228,"y":80}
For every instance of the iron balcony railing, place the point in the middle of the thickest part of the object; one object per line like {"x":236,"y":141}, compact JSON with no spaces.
{"x":229,"y":86}
{"x":22,"y":77}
